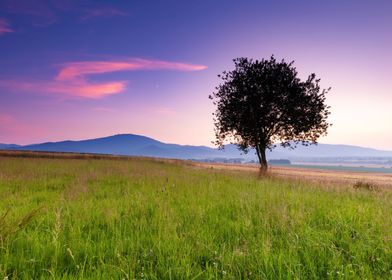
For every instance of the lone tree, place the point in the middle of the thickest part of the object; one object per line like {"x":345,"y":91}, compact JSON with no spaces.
{"x":263,"y":103}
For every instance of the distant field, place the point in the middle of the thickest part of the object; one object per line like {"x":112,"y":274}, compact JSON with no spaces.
{"x":347,"y":167}
{"x":314,"y":175}
{"x":94,"y":217}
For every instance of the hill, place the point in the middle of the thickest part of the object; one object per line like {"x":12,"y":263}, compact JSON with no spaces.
{"x":8,"y":146}
{"x":137,"y":145}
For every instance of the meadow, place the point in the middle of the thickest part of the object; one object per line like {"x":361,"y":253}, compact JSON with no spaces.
{"x":137,"y":218}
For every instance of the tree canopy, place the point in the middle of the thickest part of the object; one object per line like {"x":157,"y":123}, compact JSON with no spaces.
{"x":261,"y":104}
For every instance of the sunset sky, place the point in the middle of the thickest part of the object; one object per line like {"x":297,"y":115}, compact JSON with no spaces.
{"x":78,"y":69}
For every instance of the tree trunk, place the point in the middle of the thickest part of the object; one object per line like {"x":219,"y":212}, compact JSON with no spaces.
{"x":262,"y":159}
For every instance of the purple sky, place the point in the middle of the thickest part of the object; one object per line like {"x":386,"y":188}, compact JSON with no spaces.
{"x":77,"y":69}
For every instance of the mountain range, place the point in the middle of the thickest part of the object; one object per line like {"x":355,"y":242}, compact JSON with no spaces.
{"x":137,"y":145}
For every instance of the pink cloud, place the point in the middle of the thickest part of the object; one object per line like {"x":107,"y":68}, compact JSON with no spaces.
{"x":86,"y":89}
{"x":103,"y":12}
{"x":75,"y":89}
{"x":76,"y":70}
{"x":72,"y":78}
{"x":5,"y":26}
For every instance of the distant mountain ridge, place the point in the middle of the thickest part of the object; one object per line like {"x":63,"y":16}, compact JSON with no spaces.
{"x":137,"y":145}
{"x":8,"y":146}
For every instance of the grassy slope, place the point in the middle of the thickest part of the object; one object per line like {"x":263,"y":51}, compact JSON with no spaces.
{"x":150,"y":220}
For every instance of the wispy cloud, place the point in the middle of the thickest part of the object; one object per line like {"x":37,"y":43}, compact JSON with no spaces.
{"x":77,"y":70}
{"x":85,"y":89}
{"x":5,"y":26}
{"x":72,"y":78}
{"x":67,"y":89}
{"x":103,"y":12}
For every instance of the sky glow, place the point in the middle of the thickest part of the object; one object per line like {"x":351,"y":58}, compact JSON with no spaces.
{"x":85,"y":69}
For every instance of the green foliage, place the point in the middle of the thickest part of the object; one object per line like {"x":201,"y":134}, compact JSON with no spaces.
{"x":143,"y":219}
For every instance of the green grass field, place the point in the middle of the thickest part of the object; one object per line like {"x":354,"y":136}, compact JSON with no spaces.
{"x":145,"y":219}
